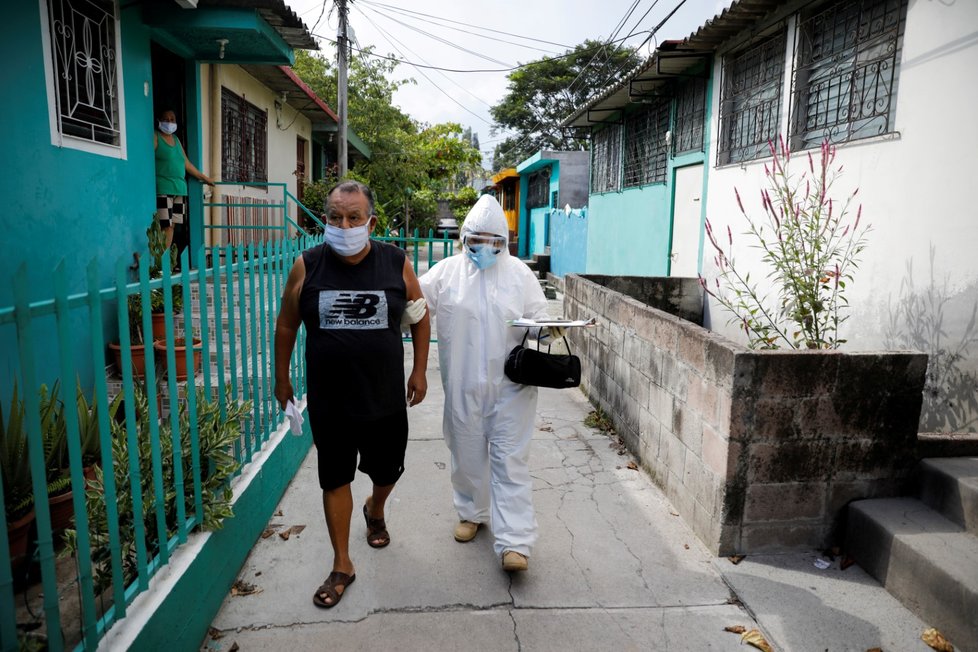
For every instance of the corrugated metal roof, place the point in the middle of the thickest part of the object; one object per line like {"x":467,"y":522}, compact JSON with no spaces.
{"x":672,"y":57}
{"x":277,"y":14}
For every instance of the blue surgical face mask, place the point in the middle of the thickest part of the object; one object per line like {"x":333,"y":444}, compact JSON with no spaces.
{"x":348,"y":242}
{"x":168,"y":127}
{"x":482,"y":256}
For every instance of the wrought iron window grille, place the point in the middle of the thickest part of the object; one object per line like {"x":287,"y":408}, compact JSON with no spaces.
{"x":846,"y":71}
{"x":750,"y":102}
{"x":244,"y":144}
{"x":646,"y":147}
{"x":86,"y":69}
{"x":690,"y":116}
{"x":606,"y":159}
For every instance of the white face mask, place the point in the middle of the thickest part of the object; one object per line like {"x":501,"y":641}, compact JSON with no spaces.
{"x":168,"y":127}
{"x":348,"y":242}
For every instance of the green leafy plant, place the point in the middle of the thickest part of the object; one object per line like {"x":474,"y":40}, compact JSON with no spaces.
{"x":810,"y":246}
{"x":157,"y":250}
{"x":216,"y":437}
{"x":54,"y":434}
{"x":17,"y":493}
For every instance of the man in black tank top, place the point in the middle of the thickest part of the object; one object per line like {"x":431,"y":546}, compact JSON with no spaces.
{"x":351,"y":293}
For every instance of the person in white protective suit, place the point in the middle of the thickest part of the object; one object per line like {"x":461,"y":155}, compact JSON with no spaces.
{"x":488,"y":419}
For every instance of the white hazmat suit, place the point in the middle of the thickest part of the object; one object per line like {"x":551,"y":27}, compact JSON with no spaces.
{"x":488,"y":419}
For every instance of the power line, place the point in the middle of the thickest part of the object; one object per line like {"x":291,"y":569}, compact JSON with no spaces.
{"x":441,"y":40}
{"x":392,"y":41}
{"x":467,"y":70}
{"x":411,"y":14}
{"x":389,"y":36}
{"x":456,"y":22}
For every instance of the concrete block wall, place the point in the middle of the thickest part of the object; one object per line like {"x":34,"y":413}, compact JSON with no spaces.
{"x":757,"y":450}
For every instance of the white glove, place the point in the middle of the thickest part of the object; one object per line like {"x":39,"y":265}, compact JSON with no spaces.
{"x":413,"y":312}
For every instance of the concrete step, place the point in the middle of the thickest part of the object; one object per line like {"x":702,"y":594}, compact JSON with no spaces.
{"x":949,"y":485}
{"x":926,"y":561}
{"x":947,"y":444}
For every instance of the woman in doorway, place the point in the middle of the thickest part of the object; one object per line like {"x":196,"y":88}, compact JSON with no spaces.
{"x":172,"y":167}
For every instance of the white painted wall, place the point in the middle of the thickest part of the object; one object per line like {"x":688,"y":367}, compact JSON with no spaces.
{"x":917,"y":186}
{"x":283,"y":127}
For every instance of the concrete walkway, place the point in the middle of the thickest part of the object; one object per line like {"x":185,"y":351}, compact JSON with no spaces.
{"x":615,"y":567}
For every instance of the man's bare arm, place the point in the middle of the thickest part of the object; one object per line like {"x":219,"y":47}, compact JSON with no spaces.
{"x":420,"y":335}
{"x":286,"y":328}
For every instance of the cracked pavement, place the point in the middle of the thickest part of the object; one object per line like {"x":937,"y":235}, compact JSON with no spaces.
{"x":613,"y":567}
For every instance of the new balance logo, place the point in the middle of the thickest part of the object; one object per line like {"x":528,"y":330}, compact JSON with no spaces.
{"x":352,"y":309}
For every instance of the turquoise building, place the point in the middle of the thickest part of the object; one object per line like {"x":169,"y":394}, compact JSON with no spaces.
{"x":649,"y":140}
{"x":549,"y":180}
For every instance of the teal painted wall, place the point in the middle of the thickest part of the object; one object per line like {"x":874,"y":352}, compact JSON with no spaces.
{"x":568,"y":244}
{"x":628,"y":232}
{"x":65,"y":203}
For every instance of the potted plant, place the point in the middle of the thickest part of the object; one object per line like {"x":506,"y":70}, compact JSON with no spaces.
{"x":17,"y":492}
{"x":215,"y":437}
{"x":137,"y":348}
{"x":54,"y":434}
{"x":157,"y":251}
{"x":180,"y":353}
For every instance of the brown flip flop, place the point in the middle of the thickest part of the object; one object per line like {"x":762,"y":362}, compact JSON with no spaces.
{"x":377,"y":534}
{"x":335,"y":580}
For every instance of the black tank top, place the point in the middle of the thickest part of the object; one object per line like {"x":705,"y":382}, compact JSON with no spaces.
{"x":352,"y":315}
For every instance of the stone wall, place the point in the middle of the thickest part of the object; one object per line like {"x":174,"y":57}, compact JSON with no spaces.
{"x":757,"y":450}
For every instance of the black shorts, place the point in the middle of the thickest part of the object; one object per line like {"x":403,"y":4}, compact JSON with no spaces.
{"x":381,"y":444}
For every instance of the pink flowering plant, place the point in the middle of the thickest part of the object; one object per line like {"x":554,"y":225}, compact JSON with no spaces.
{"x":811,"y":246}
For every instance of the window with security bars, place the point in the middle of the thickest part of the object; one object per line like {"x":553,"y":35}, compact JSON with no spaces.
{"x":538,"y":190}
{"x":645,"y":146}
{"x":750,"y":103}
{"x":85,"y":65}
{"x":846,"y":71}
{"x":605,"y":159}
{"x":244,"y":148}
{"x":690,"y":116}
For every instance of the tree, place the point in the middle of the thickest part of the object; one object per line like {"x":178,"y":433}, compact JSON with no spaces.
{"x":544,"y":92}
{"x":407,"y":156}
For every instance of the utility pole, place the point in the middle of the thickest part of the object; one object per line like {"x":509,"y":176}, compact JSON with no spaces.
{"x":342,"y":45}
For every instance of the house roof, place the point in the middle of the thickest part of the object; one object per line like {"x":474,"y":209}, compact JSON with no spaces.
{"x":502,"y":175}
{"x":670,"y":59}
{"x":229,"y":31}
{"x":277,"y":14}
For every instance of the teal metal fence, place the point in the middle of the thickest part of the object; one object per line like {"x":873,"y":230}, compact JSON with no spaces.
{"x":144,"y":455}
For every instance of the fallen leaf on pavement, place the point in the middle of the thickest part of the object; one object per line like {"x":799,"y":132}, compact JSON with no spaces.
{"x":234,"y":647}
{"x":278,"y":513}
{"x":686,"y":546}
{"x":755,"y":638}
{"x":297,"y":529}
{"x":240,"y":587}
{"x":936,"y":640}
{"x":875,"y":649}
{"x":257,"y":573}
{"x":735,"y":629}
{"x":267,"y":532}
{"x":736,"y":559}
{"x":846,"y":562}
{"x":673,"y":513}
{"x":214,"y":633}
{"x":285,"y":534}
{"x":546,"y":428}
{"x":633,"y":466}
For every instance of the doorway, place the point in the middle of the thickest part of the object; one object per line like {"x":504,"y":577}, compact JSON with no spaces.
{"x":170,"y":93}
{"x":686,"y":217}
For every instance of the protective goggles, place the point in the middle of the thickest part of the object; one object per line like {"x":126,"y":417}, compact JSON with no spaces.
{"x":474,"y":240}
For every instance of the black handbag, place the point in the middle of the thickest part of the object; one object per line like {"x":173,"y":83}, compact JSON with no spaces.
{"x":528,"y":366}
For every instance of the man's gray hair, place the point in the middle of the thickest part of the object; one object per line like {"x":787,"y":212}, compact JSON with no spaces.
{"x":352,"y":186}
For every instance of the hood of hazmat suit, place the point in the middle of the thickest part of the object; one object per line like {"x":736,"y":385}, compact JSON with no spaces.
{"x":471,"y":308}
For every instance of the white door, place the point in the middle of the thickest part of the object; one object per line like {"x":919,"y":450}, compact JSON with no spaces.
{"x":686,"y":221}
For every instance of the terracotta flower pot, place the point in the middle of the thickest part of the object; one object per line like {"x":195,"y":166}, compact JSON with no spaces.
{"x":179,"y":350}
{"x":138,"y":354}
{"x":17,"y":534}
{"x":159,"y":325}
{"x":62,"y":511}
